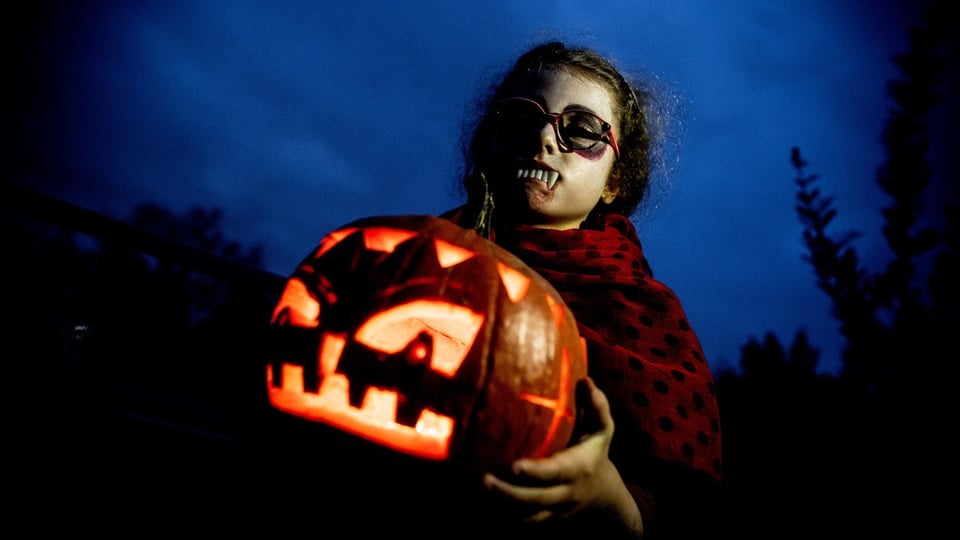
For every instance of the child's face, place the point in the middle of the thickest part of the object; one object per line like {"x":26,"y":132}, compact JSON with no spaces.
{"x":581,"y":174}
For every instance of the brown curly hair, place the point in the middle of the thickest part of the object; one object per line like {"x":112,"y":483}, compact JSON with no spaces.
{"x":637,"y":118}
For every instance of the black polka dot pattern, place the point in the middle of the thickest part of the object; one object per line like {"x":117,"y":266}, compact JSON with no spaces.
{"x":641,"y":349}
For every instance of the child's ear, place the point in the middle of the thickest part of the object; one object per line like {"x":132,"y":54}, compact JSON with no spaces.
{"x":609,"y":194}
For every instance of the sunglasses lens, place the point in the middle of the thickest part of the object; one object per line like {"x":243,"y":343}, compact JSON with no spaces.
{"x":580,"y":130}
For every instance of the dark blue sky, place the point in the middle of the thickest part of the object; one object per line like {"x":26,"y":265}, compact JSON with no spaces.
{"x":297,"y":117}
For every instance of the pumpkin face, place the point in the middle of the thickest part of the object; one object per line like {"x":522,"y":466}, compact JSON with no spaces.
{"x":425,"y":338}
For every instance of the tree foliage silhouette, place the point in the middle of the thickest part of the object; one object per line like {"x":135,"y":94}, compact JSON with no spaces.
{"x":852,"y":454}
{"x":899,"y":313}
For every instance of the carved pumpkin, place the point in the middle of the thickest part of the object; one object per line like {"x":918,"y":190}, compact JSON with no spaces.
{"x":428,"y":339}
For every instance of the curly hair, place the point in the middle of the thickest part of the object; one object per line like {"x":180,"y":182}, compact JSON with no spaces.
{"x":635,"y":106}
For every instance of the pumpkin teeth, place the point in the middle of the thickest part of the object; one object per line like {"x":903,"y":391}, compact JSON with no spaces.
{"x":550,"y":177}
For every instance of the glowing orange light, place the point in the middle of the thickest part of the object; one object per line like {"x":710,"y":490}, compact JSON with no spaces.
{"x":515,"y":282}
{"x":561,"y":405}
{"x":451,"y":255}
{"x":300,"y":306}
{"x":374,"y":420}
{"x":453,"y":327}
{"x":384,"y":238}
{"x":333,"y":239}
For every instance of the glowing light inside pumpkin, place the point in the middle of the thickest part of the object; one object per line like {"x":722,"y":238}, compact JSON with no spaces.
{"x":429,"y":438}
{"x":453,"y":327}
{"x":302,"y":309}
{"x":419,"y":352}
{"x":562,"y":406}
{"x":557,"y":309}
{"x":333,"y":239}
{"x":515,"y":282}
{"x":385,"y":239}
{"x":331,"y":349}
{"x":451,"y":255}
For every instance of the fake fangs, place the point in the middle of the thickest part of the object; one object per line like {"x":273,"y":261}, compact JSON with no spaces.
{"x":550,"y":177}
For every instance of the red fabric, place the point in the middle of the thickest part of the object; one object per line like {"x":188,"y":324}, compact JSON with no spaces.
{"x":641,"y":350}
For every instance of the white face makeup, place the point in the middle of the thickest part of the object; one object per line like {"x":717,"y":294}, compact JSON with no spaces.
{"x":541,"y":181}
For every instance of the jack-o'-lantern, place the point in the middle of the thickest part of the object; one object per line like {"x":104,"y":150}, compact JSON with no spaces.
{"x":428,"y":339}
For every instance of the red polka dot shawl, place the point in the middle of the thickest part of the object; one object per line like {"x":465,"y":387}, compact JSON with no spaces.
{"x":641,"y":351}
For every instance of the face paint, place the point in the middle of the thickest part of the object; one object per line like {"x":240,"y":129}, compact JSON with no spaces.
{"x":593,"y":154}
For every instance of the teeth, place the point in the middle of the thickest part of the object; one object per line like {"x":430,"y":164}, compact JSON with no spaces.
{"x":550,"y":177}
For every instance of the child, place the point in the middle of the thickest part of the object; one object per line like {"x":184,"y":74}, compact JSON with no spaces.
{"x":559,"y":160}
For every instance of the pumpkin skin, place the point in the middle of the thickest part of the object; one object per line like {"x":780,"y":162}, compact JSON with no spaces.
{"x":428,"y":339}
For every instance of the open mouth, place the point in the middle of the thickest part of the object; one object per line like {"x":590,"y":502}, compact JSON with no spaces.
{"x":548,"y":177}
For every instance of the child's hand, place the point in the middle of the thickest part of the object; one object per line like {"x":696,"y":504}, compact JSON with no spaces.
{"x":578,"y":477}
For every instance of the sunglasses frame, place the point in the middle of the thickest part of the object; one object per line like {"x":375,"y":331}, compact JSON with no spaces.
{"x":606,"y":136}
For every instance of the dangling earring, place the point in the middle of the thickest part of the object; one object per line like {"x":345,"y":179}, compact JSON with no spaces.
{"x":484,"y":214}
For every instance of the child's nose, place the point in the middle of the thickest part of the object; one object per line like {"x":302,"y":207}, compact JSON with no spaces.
{"x":548,"y":137}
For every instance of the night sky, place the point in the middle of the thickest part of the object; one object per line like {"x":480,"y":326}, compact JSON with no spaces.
{"x":297,"y":117}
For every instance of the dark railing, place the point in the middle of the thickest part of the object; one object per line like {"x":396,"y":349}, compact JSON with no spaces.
{"x":125,"y":399}
{"x":54,"y":211}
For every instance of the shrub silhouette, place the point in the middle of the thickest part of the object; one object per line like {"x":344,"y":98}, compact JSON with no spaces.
{"x":853,"y":454}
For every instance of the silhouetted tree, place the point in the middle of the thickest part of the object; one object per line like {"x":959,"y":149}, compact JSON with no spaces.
{"x":853,"y":455}
{"x":899,"y":321}
{"x":895,"y":315}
